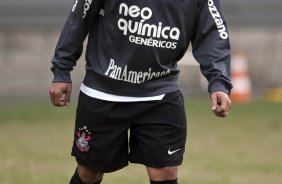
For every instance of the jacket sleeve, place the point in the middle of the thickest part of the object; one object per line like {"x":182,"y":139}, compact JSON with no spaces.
{"x":70,"y":44}
{"x":211,"y":47}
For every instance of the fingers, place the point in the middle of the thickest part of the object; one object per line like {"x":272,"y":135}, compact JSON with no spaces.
{"x":58,"y":101}
{"x":214,"y":102}
{"x":56,"y":96}
{"x":60,"y":94}
{"x":220,"y":104}
{"x":222,"y":109}
{"x":67,"y":97}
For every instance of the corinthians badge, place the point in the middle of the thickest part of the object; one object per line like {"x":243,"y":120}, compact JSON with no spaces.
{"x":84,"y":135}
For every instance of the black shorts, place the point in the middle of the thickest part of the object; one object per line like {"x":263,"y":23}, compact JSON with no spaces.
{"x":156,"y":130}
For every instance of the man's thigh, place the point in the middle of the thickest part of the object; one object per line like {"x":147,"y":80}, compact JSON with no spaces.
{"x":100,"y":136}
{"x":158,"y":134}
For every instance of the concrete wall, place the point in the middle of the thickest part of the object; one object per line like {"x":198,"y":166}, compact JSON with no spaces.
{"x":25,"y":61}
{"x":25,"y":64}
{"x":29,"y":30}
{"x":15,"y":13}
{"x":262,"y":46}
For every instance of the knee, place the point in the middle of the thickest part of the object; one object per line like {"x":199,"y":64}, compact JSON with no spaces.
{"x":161,"y":174}
{"x":88,"y":176}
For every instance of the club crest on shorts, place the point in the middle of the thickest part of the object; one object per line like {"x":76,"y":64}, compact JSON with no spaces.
{"x":83,"y":138}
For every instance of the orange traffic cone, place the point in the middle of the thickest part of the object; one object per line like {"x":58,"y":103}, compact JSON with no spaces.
{"x":241,"y":91}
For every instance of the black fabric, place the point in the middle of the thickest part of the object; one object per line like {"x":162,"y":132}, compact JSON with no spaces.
{"x":164,"y":182}
{"x":98,"y":182}
{"x":76,"y":179}
{"x":138,"y":43}
{"x":157,"y":133}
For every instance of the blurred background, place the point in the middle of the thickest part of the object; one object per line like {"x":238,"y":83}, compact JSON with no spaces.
{"x":245,"y":148}
{"x":29,"y":30}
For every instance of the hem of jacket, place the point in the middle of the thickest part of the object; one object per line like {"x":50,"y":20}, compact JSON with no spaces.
{"x":116,"y":87}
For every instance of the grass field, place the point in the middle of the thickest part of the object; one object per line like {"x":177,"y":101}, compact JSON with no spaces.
{"x":245,"y":148}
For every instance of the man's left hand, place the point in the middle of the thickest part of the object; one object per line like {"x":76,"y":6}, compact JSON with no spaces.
{"x":220,"y":103}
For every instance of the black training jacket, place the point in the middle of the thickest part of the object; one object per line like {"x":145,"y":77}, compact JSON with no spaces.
{"x":134,"y":45}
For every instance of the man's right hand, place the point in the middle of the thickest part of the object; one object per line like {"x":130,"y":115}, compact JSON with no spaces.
{"x":60,"y":94}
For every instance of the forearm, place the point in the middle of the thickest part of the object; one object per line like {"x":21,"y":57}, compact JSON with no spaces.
{"x":211,"y":46}
{"x":70,"y":44}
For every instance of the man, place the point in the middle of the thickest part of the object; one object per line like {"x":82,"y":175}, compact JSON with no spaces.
{"x":131,"y":80}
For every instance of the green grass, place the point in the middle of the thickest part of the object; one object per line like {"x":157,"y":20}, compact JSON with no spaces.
{"x":245,"y":148}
